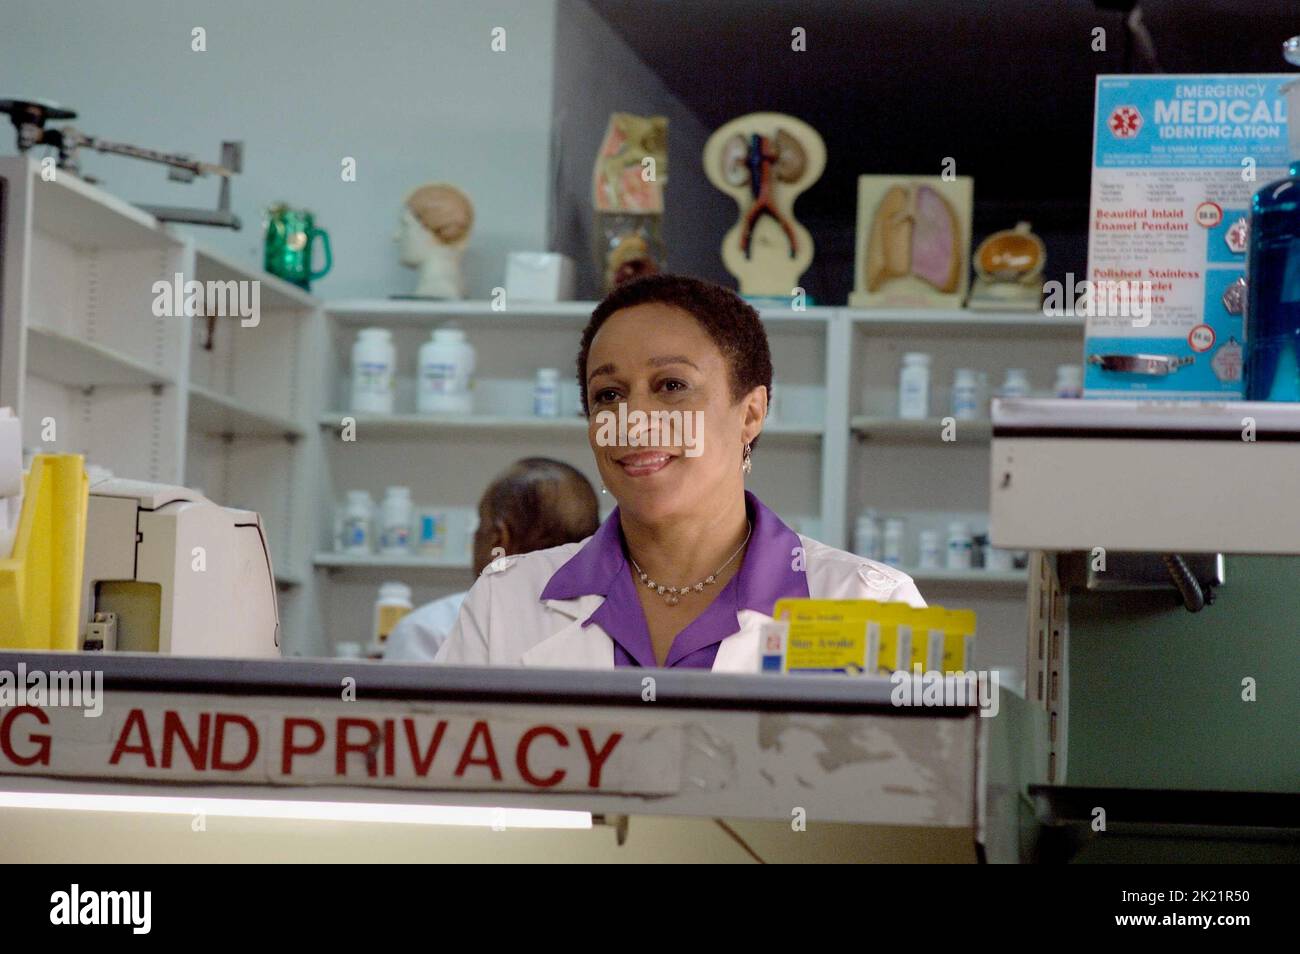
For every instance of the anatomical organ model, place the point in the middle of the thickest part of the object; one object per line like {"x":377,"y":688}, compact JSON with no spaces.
{"x":913,"y":237}
{"x":628,"y":181}
{"x":764,"y":161}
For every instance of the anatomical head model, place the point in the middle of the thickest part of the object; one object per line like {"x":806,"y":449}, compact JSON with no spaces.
{"x":432,"y":235}
{"x":764,"y":161}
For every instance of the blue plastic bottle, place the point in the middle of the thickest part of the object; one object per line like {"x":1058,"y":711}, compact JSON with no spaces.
{"x":1272,"y":369}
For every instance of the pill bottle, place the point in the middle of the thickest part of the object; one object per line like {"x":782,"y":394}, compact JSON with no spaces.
{"x":374,"y":359}
{"x":446,"y":373}
{"x":546,"y":393}
{"x":960,"y":546}
{"x":395,"y":521}
{"x":914,"y":387}
{"x":866,"y":535}
{"x":930,"y":550}
{"x":1069,"y":381}
{"x":965,"y":395}
{"x":431,"y":531}
{"x":394,"y":602}
{"x":1016,"y":384}
{"x":892,"y":552}
{"x":357,"y":535}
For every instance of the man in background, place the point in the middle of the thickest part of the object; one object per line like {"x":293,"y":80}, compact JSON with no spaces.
{"x":536,"y":503}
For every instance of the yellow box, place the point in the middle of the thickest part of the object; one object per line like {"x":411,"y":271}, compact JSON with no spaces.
{"x":852,"y":636}
{"x":40,"y":583}
{"x":857,"y":636}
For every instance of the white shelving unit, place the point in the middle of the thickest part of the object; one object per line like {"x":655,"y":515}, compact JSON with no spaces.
{"x":84,"y":361}
{"x":833,"y":448}
{"x":908,"y":469}
{"x":226,"y":409}
{"x":447,"y":460}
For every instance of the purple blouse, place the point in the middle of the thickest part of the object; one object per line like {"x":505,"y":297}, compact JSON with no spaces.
{"x":600,"y":568}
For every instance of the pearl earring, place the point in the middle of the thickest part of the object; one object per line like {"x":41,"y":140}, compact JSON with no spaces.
{"x":747,"y":462}
{"x":603,"y":490}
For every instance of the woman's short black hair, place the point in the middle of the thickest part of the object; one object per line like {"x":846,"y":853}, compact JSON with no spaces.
{"x":730,"y":321}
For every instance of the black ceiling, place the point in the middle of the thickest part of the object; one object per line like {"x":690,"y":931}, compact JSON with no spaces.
{"x":1005,"y":87}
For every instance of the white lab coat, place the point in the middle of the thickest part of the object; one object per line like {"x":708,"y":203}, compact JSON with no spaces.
{"x":420,"y":633}
{"x":503,"y":623}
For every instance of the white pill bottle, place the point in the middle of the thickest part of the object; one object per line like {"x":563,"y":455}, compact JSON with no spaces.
{"x":446,"y":373}
{"x":374,"y":359}
{"x":395,"y":521}
{"x":914,"y":387}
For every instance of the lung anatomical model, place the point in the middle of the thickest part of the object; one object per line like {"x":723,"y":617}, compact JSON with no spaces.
{"x":913,"y":239}
{"x":914,"y":232}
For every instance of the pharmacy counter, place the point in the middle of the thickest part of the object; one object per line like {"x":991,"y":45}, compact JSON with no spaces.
{"x":800,"y":752}
{"x":1155,"y":476}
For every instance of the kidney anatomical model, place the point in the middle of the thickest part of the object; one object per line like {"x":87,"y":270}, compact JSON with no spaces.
{"x":764,"y":161}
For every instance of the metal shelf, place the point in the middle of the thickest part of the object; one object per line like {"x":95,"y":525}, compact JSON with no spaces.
{"x":563,"y":314}
{"x":274,"y":292}
{"x":378,"y":561}
{"x":949,"y":321}
{"x":77,"y":363}
{"x":927,"y":431}
{"x":84,"y":216}
{"x":214,"y":413}
{"x":419,"y":425}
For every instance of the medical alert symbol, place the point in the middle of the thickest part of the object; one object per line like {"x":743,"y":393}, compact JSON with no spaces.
{"x":1125,"y":122}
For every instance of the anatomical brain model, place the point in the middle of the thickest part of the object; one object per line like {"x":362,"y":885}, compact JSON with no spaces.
{"x":764,"y":161}
{"x":913,"y":236}
{"x":432,"y":233}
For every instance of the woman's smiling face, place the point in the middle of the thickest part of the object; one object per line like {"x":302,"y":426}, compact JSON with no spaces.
{"x":657,"y":358}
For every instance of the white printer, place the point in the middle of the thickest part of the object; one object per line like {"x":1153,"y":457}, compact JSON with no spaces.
{"x":169,"y":571}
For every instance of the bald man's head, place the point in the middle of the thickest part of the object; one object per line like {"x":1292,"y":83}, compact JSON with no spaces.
{"x":536,"y":503}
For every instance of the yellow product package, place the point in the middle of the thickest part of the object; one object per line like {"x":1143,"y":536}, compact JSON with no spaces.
{"x":941,"y":639}
{"x":828,"y":636}
{"x":925,"y":637}
{"x":958,"y":641}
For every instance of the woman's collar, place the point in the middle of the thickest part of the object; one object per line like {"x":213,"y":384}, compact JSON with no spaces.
{"x":773,"y":566}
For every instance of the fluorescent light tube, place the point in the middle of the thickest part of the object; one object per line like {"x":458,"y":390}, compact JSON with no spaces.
{"x":373,"y":812}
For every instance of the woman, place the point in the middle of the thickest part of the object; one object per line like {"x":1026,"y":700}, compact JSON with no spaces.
{"x":690,"y":564}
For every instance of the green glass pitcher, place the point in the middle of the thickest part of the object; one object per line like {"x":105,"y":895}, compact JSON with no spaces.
{"x":290,"y":238}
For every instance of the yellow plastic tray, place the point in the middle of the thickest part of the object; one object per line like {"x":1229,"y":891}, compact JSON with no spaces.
{"x":40,"y":584}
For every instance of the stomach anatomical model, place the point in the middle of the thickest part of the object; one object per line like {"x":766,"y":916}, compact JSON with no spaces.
{"x":914,"y":231}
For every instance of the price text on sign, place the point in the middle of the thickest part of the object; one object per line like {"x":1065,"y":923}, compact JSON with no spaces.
{"x":295,"y":744}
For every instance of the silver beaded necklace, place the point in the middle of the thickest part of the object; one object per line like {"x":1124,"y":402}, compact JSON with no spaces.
{"x":672,"y":594}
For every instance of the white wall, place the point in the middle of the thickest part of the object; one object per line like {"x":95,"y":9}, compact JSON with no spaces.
{"x":409,"y":88}
{"x":597,"y":73}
